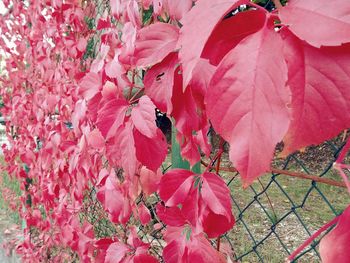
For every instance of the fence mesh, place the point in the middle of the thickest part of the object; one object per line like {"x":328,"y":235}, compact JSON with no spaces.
{"x":275,"y":215}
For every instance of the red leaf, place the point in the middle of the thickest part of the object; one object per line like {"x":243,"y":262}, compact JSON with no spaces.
{"x":116,"y":252}
{"x":144,"y":258}
{"x":202,"y":140}
{"x":175,"y":185}
{"x":143,"y":117}
{"x":111,"y":115}
{"x":190,"y":106}
{"x":189,"y":150}
{"x":216,"y":194}
{"x":334,"y":247}
{"x":190,"y":103}
{"x":171,"y":216}
{"x":102,"y":245}
{"x":154,"y":43}
{"x":215,"y":225}
{"x":217,"y":216}
{"x":192,"y":209}
{"x":159,"y":81}
{"x":240,"y":26}
{"x":252,"y":114}
{"x":319,"y":80}
{"x":103,"y":24}
{"x":320,"y":23}
{"x":150,"y":152}
{"x":198,"y":25}
{"x":90,"y":85}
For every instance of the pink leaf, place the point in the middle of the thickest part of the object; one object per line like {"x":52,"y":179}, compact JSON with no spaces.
{"x":114,"y":69}
{"x":95,"y":139}
{"x":159,"y":81}
{"x":154,"y":43}
{"x":195,"y":249}
{"x":124,"y":145}
{"x":200,"y":250}
{"x":78,"y":115}
{"x":146,"y":4}
{"x":149,"y":180}
{"x":177,"y":9}
{"x":144,"y":214}
{"x":93,"y":107}
{"x":175,"y":185}
{"x":252,"y":114}
{"x":198,"y":25}
{"x":319,"y":80}
{"x":143,"y":117}
{"x":116,"y":252}
{"x":114,"y":200}
{"x":173,"y":252}
{"x":320,"y":23}
{"x":90,"y":85}
{"x":111,"y":115}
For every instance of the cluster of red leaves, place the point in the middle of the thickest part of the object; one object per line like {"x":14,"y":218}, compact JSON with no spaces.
{"x":82,"y":83}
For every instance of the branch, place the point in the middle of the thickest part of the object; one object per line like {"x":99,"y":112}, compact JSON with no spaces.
{"x":293,"y":174}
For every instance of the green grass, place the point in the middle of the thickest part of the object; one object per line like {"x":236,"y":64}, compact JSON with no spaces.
{"x":14,"y":186}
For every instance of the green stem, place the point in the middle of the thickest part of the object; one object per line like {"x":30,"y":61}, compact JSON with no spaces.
{"x":176,"y":158}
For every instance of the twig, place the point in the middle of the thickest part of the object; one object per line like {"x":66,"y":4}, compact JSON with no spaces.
{"x":310,"y":177}
{"x":339,"y":168}
{"x":268,"y":198}
{"x":293,"y":174}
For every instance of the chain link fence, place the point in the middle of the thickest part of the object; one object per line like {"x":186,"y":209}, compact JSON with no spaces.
{"x":278,"y":213}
